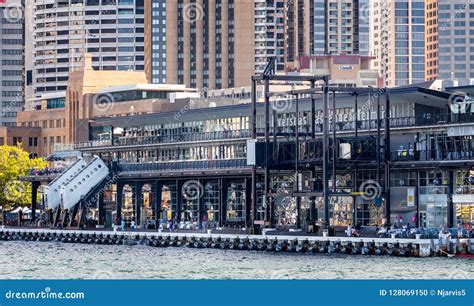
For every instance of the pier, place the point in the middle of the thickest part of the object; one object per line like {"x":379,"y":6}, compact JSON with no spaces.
{"x":266,"y":242}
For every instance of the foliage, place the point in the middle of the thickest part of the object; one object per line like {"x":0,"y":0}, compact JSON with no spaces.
{"x":15,"y":162}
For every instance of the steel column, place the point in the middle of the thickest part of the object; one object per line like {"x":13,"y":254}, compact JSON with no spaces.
{"x":297,"y":158}
{"x":325,"y":150}
{"x":387,"y":154}
{"x":312,"y":200}
{"x":334,"y":141}
{"x":356,"y":166}
{"x":119,"y":198}
{"x":34,"y":199}
{"x":253,"y":195}
{"x":268,"y":208}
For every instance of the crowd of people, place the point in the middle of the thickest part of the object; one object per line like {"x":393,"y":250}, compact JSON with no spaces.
{"x":45,"y":171}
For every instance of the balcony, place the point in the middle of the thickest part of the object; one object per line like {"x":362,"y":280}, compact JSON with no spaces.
{"x":150,"y":140}
{"x":185,"y":166}
{"x":431,"y":155}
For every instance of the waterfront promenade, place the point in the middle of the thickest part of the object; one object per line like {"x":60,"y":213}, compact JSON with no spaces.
{"x":267,"y":242}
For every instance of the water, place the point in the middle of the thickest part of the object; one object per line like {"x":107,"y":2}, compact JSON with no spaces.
{"x":31,"y":260}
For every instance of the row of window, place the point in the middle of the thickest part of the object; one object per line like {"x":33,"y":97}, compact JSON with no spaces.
{"x":45,"y":124}
{"x":34,"y":142}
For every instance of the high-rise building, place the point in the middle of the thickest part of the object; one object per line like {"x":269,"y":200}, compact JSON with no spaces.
{"x":456,"y":40}
{"x":270,"y":17}
{"x":398,"y":34}
{"x":222,"y":43}
{"x":341,"y":27}
{"x":112,"y":31}
{"x":431,"y":39}
{"x":202,"y":44}
{"x":12,"y":59}
{"x":326,"y":27}
{"x":298,"y":30}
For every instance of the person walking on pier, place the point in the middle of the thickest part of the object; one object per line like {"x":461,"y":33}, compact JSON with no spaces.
{"x":459,"y":231}
{"x":349,"y":230}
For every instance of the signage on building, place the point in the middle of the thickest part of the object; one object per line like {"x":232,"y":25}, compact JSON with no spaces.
{"x":345,"y":67}
{"x":463,"y":198}
{"x":411,"y":196}
{"x":461,"y":131}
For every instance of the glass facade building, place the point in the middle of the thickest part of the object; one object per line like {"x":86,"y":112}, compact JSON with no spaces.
{"x":456,"y":39}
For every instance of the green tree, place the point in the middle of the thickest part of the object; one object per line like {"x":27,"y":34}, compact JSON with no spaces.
{"x":15,"y":162}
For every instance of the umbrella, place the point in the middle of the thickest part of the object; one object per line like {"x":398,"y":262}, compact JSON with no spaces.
{"x":16,"y":210}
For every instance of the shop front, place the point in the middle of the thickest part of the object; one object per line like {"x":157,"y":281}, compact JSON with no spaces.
{"x":464,"y":207}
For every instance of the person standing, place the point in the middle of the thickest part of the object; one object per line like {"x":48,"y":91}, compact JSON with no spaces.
{"x":459,"y":231}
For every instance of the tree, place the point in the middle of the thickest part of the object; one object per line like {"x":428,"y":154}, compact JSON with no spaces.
{"x":15,"y":162}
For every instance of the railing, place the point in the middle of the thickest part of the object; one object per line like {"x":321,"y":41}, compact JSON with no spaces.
{"x":184,"y":165}
{"x":145,"y":140}
{"x":46,"y":171}
{"x":188,"y":137}
{"x":425,"y":120}
{"x":428,"y":155}
{"x":93,"y":144}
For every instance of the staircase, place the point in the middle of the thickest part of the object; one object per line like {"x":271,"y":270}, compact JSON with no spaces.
{"x":83,"y":183}
{"x":52,"y":194}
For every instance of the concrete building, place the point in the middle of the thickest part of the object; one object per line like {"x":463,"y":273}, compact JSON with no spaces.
{"x":398,"y":41}
{"x":27,"y":137}
{"x":202,"y":44}
{"x":65,"y":30}
{"x":11,"y":61}
{"x":343,"y":70}
{"x":221,"y":44}
{"x":341,"y":27}
{"x":456,"y":38}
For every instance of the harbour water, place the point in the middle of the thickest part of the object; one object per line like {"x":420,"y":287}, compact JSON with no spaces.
{"x":48,"y":260}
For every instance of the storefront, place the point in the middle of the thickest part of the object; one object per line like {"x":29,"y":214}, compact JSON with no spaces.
{"x":464,"y":207}
{"x":433,"y":198}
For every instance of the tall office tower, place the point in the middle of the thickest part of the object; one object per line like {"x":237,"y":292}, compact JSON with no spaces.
{"x":29,"y":52}
{"x":431,"y":39}
{"x":12,"y":59}
{"x":112,"y":31}
{"x":299,"y":36}
{"x":270,"y":17}
{"x":341,"y":27}
{"x":200,"y":43}
{"x":456,"y":40}
{"x":399,"y":36}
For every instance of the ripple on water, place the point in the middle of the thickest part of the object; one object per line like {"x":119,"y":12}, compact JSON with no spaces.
{"x":142,"y":262}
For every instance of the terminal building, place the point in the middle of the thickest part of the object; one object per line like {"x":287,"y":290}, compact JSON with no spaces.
{"x":215,"y":161}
